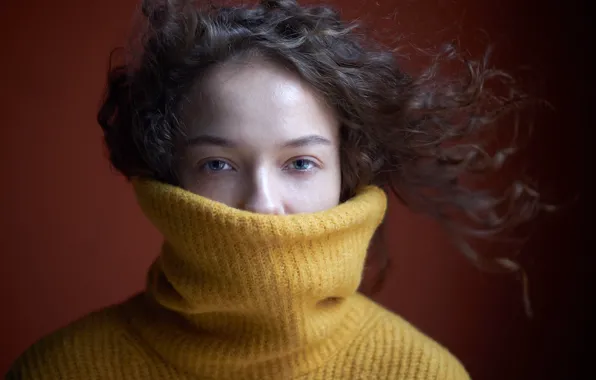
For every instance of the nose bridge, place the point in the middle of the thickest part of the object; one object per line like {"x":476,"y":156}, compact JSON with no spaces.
{"x":263,"y":195}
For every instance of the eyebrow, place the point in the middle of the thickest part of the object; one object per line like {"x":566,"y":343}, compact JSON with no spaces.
{"x":223,"y":142}
{"x":307,"y":140}
{"x":210,"y":140}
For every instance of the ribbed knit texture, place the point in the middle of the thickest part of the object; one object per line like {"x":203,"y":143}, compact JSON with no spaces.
{"x":239,"y":295}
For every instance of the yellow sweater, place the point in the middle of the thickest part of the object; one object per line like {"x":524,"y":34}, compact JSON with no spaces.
{"x":238,"y":295}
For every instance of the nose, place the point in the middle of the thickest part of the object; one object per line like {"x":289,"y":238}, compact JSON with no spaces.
{"x":263,"y":197}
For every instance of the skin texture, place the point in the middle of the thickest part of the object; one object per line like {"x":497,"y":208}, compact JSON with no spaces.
{"x":259,"y":139}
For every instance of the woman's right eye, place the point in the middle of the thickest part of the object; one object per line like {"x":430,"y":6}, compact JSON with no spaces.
{"x":216,"y":166}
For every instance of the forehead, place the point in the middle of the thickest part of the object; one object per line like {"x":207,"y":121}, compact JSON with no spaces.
{"x":256,"y":97}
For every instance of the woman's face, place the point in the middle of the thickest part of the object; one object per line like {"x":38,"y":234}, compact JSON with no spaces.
{"x":260,"y":140}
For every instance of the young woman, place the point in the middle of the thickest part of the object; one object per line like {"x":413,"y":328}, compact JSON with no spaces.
{"x":259,"y":141}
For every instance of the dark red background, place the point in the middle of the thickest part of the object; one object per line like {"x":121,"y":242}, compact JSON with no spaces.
{"x":74,"y":240}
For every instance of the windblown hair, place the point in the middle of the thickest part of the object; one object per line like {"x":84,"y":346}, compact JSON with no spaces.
{"x":415,"y":136}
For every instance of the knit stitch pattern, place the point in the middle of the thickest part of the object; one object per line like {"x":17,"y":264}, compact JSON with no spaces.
{"x":240,"y":295}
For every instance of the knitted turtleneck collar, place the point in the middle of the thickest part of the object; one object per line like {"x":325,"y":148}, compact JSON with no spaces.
{"x":242,"y":295}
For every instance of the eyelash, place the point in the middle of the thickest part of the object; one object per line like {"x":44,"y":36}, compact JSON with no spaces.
{"x":204,"y":166}
{"x":312,"y":165}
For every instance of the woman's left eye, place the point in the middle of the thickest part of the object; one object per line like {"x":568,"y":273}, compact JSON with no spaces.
{"x":302,"y":165}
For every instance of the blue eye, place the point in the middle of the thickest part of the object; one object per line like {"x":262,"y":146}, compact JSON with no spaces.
{"x":302,"y":164}
{"x":216,"y":166}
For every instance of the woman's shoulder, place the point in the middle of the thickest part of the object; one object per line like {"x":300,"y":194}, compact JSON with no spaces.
{"x":89,"y":348}
{"x":406,"y":351}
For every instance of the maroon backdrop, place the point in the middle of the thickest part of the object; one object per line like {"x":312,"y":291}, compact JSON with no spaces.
{"x":74,"y":240}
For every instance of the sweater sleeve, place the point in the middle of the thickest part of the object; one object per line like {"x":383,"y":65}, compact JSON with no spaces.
{"x":413,"y":355}
{"x":391,"y":348}
{"x":92,"y":348}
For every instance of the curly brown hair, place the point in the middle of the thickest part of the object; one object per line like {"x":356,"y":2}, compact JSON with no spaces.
{"x":413,"y":135}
